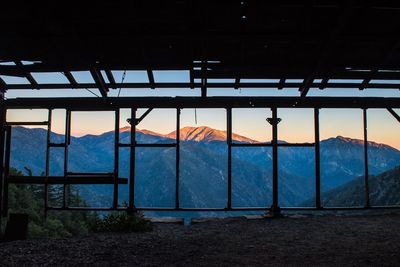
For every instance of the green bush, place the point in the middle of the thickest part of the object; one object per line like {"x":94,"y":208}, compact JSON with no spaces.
{"x":28,"y":199}
{"x":122,"y":222}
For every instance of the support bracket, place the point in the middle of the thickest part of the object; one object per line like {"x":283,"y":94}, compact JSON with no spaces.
{"x":138,"y":120}
{"x":274,"y":121}
{"x":394,"y":114}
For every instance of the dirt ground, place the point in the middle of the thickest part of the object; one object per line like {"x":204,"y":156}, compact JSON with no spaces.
{"x":298,"y":241}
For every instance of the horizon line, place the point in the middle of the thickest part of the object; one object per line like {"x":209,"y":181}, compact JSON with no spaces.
{"x":224,"y":131}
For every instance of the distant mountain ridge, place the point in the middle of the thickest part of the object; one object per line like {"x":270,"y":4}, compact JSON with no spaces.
{"x":195,"y":134}
{"x":207,"y":134}
{"x":203,"y":165}
{"x":384,"y":190}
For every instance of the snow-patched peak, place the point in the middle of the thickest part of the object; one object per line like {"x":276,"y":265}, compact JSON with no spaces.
{"x":341,"y":140}
{"x":207,"y":134}
{"x":125,"y":129}
{"x":143,"y":131}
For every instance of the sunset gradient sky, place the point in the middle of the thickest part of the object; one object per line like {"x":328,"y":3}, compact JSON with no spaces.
{"x":296,"y":125}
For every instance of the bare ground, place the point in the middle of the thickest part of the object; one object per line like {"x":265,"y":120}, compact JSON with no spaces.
{"x":327,"y":241}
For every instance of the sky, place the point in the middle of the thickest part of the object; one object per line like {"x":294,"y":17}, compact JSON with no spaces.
{"x":296,"y":126}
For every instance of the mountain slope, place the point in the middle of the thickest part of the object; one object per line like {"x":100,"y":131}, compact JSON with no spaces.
{"x":384,"y":190}
{"x":207,"y":134}
{"x":203,"y":166}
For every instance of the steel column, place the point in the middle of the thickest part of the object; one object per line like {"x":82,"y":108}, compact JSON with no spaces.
{"x":317,"y":160}
{"x":2,"y":146}
{"x":177,"y":159}
{"x":132,"y":161}
{"x":275,"y":209}
{"x":7,"y":169}
{"x":67,"y":143}
{"x":366,"y":171}
{"x":47,"y":171}
{"x":116,"y":159}
{"x":229,"y":141}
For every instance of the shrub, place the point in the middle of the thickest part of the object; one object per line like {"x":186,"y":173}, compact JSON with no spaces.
{"x":122,"y":222}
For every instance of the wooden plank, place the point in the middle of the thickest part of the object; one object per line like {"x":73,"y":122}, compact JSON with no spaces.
{"x":65,"y":180}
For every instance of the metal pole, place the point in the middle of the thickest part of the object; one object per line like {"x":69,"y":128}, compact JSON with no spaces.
{"x":132,"y":161}
{"x":317,"y":160}
{"x":177,"y":159}
{"x":46,"y":185}
{"x":7,"y":169}
{"x":2,"y":146}
{"x":366,"y":174}
{"x":203,"y":80}
{"x":116,"y":159}
{"x":229,"y":141}
{"x":67,"y":143}
{"x":275,"y":209}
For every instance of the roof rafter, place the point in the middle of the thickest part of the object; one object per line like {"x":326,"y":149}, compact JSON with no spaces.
{"x":388,"y":56}
{"x":394,"y":114}
{"x":100,"y":82}
{"x":27,"y":75}
{"x":150,"y":75}
{"x":111,"y":79}
{"x":327,"y":46}
{"x":70,"y":78}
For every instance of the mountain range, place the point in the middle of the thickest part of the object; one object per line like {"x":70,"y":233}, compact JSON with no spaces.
{"x":203,"y":166}
{"x":384,"y":190}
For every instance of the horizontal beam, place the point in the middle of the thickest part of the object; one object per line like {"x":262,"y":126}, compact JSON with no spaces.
{"x":270,"y":144}
{"x":225,"y":209}
{"x":64,"y":180}
{"x":112,"y":103}
{"x":26,"y":123}
{"x":229,"y":71}
{"x":148,"y":145}
{"x":344,"y":85}
{"x":56,"y":145}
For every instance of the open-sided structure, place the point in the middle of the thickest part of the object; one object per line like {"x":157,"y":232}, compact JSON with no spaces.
{"x":297,"y":45}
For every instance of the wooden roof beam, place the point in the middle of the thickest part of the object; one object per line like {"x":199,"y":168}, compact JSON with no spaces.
{"x":237,"y":83}
{"x":394,"y":114}
{"x":111,"y":79}
{"x":27,"y":75}
{"x":281,"y":84}
{"x":150,"y":75}
{"x":70,"y":78}
{"x":2,"y":85}
{"x":191,"y":72}
{"x":388,"y":56}
{"x":100,"y":83}
{"x":204,"y":80}
{"x":324,"y":83}
{"x":326,"y":49}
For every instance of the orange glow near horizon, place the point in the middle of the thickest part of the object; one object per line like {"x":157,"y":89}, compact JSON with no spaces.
{"x":296,"y":126}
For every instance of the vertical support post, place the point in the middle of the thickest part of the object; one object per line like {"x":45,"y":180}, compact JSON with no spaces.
{"x":317,"y":160}
{"x":275,"y":204}
{"x":366,"y":172}
{"x":47,"y":171}
{"x":116,"y":159}
{"x":229,"y":142}
{"x":2,"y":146}
{"x":7,"y":169}
{"x":67,"y":143}
{"x":177,"y":159}
{"x":203,"y":80}
{"x":275,"y":209}
{"x":132,"y":161}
